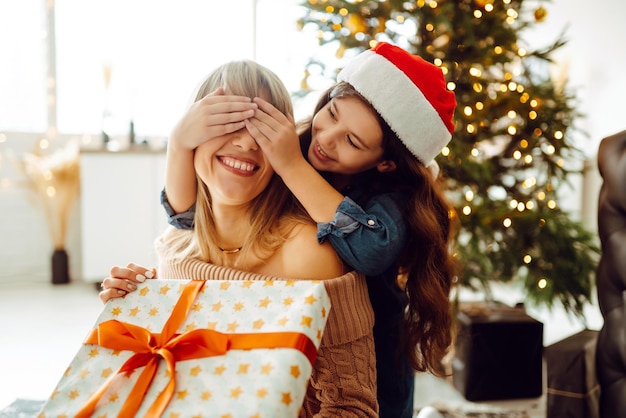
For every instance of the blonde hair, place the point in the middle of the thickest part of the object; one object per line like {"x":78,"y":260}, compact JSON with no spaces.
{"x":272,"y":215}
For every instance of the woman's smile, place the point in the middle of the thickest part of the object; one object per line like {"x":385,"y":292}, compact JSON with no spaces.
{"x":237,"y":165}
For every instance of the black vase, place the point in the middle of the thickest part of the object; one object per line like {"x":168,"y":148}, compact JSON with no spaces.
{"x":60,"y":267}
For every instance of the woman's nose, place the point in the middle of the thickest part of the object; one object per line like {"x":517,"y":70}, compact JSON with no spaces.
{"x":244,"y":140}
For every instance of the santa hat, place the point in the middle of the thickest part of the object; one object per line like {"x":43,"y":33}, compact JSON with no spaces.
{"x":409,"y":93}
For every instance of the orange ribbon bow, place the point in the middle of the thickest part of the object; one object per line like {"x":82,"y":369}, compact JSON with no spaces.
{"x":150,"y":348}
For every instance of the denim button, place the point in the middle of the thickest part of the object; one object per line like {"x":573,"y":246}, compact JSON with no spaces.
{"x":371,"y":222}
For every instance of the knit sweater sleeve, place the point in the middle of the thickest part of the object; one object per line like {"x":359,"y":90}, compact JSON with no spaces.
{"x":343,"y":382}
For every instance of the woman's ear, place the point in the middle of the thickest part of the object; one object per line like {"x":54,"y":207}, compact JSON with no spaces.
{"x":386,"y":166}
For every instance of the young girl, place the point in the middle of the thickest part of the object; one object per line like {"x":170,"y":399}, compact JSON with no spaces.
{"x":250,"y":227}
{"x":369,"y":181}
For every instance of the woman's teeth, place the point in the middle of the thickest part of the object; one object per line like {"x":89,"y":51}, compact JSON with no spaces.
{"x":238,"y":165}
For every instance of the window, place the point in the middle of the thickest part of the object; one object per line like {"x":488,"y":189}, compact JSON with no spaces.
{"x":155,"y":52}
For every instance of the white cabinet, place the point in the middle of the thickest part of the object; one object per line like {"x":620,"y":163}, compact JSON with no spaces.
{"x":121,"y":213}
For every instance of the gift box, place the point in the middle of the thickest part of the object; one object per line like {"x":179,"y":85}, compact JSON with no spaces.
{"x":197,"y":348}
{"x":573,"y":388}
{"x":498,"y":354}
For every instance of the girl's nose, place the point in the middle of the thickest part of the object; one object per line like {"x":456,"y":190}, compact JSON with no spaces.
{"x":244,"y":140}
{"x":328,"y":138}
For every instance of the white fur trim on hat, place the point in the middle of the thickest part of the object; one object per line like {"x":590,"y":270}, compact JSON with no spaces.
{"x":400,"y":102}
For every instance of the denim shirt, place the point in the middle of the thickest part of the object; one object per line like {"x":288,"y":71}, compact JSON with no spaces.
{"x":369,"y":237}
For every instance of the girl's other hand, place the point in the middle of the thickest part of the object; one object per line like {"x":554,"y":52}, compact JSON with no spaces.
{"x":214,"y":115}
{"x":124,"y":280}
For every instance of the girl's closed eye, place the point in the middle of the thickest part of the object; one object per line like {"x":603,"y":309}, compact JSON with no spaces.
{"x":351,"y":142}
{"x":332,"y":114}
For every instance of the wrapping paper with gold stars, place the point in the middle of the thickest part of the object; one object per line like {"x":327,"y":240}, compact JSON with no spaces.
{"x":191,"y":348}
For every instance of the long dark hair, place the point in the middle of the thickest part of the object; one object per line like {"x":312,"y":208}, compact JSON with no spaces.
{"x":425,"y":267}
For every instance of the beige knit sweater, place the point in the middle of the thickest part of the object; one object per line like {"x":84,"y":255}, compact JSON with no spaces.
{"x":343,"y":383}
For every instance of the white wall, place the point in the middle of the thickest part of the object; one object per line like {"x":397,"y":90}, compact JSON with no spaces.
{"x":594,"y":59}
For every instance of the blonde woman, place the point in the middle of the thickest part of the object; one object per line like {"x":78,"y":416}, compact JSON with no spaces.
{"x":248,"y":225}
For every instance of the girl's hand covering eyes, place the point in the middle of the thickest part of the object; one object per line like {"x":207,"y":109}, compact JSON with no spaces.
{"x":276,"y":135}
{"x":214,"y":115}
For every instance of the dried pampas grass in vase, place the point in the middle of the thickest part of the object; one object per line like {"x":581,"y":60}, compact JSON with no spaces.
{"x":55,"y":181}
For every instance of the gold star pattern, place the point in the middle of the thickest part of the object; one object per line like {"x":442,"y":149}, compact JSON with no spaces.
{"x":288,"y":301}
{"x":290,"y":283}
{"x":54,"y":393}
{"x":144,"y":291}
{"x":116,"y":311}
{"x":134,"y":311}
{"x":190,"y":327}
{"x":83,"y":373}
{"x":243,"y":369}
{"x":266,"y":368}
{"x":195,"y":371}
{"x":73,"y":394}
{"x":319,"y":334}
{"x":197,"y":307}
{"x":295,"y":371}
{"x":206,"y":395}
{"x":217,"y":306}
{"x":258,"y":324}
{"x":197,"y":416}
{"x":153,"y":311}
{"x":306,"y":321}
{"x":219,"y":369}
{"x":226,"y":416}
{"x":323,"y":312}
{"x":268,"y":283}
{"x":246,"y":284}
{"x":164,"y":289}
{"x":114,"y":397}
{"x":232,"y":327}
{"x":261,"y":393}
{"x":287,"y":398}
{"x":102,"y":416}
{"x":263,"y":303}
{"x":106,"y":372}
{"x":238,"y":306}
{"x":310,"y":300}
{"x":67,"y":371}
{"x":224,"y":285}
{"x":116,"y":352}
{"x":283,"y":321}
{"x":181,"y":394}
{"x":94,"y":352}
{"x":174,"y":415}
{"x":236,"y":392}
{"x":211,"y":325}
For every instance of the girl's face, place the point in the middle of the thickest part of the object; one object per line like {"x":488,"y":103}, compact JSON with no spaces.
{"x":346,"y":137}
{"x":233,"y":167}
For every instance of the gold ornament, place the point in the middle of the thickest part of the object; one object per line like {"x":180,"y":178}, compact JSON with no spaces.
{"x":340,"y":51}
{"x":355,"y":24}
{"x":540,"y":14}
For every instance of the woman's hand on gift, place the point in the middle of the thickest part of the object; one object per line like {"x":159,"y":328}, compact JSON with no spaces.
{"x":123,"y":280}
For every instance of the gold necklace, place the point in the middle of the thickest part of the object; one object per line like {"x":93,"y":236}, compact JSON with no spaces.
{"x":235,"y":251}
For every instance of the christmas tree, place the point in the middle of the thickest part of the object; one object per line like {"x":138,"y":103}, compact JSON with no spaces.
{"x":510,"y":151}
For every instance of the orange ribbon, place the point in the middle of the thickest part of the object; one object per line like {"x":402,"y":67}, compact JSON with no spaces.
{"x":149,"y":348}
